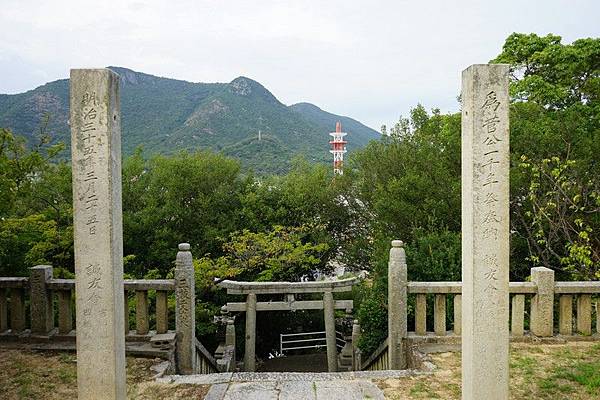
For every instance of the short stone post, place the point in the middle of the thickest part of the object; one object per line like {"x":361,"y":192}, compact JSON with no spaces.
{"x":542,"y":304}
{"x":457,"y":314}
{"x":518,"y":315}
{"x":439,"y":314}
{"x":329,"y":313}
{"x":250,"y":342}
{"x":3,"y":311}
{"x":162,"y":312}
{"x":17,"y":310}
{"x":485,"y":232}
{"x":584,"y":314}
{"x":565,"y":314}
{"x":42,"y":315}
{"x":142,"y":319}
{"x":65,"y":313}
{"x":598,"y":317}
{"x":397,"y":300}
{"x":421,"y":314}
{"x":97,"y":230}
{"x":230,"y":332}
{"x":355,"y":337}
{"x":185,"y":311}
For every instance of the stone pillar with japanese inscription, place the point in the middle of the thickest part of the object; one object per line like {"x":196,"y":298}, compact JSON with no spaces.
{"x":185,"y":311}
{"x":98,"y":238}
{"x":485,"y":232}
{"x":397,"y":305}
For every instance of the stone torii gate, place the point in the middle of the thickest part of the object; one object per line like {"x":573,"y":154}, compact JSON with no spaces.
{"x":288,"y":289}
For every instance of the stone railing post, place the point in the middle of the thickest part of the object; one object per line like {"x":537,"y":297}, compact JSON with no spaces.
{"x":542,"y":304}
{"x":230,"y":333}
{"x":42,"y":317}
{"x":185,"y":321}
{"x":397,"y":283}
{"x":355,"y":351}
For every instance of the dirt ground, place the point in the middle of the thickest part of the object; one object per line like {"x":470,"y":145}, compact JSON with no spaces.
{"x":33,"y":375}
{"x":557,"y":372}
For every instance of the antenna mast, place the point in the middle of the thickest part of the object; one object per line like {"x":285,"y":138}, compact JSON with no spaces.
{"x":338,"y":148}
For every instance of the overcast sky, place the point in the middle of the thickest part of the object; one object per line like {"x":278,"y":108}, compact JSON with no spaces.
{"x":370,"y":60}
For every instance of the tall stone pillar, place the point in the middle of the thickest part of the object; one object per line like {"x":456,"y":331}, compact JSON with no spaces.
{"x":542,"y":304}
{"x":98,"y":234}
{"x":397,"y":282}
{"x":485,"y":232}
{"x":329,"y":312}
{"x":42,"y":316}
{"x":250,"y":344}
{"x":185,"y":310}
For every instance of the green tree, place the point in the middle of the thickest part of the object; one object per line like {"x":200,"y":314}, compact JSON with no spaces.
{"x":35,"y":205}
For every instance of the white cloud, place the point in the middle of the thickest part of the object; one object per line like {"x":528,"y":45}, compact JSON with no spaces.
{"x":369,"y":60}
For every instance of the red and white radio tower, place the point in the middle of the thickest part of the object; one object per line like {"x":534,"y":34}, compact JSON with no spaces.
{"x":338,"y":148}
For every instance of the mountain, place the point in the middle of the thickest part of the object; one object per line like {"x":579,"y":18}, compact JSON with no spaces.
{"x":165,"y":115}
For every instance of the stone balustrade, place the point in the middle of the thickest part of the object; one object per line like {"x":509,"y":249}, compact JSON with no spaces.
{"x":540,"y":294}
{"x":533,"y":306}
{"x":12,"y":303}
{"x":41,"y":293}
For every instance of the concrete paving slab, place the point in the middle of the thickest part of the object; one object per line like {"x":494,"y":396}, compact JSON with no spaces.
{"x":252,"y":391}
{"x":217,"y":391}
{"x":290,"y":390}
{"x":347,"y":390}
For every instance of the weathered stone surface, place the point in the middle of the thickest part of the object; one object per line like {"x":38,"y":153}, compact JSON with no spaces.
{"x":3,"y":311}
{"x":421,"y":314}
{"x":42,"y":317}
{"x":458,"y":314}
{"x":65,"y":313}
{"x":97,"y":219}
{"x":230,"y":332}
{"x":162,"y":312}
{"x":598,"y":317}
{"x":485,"y":232}
{"x":217,"y":391}
{"x":185,"y":314}
{"x":439,"y":315}
{"x":542,"y":304}
{"x":565,"y":315}
{"x":252,"y":391}
{"x":397,"y":303}
{"x":233,"y":287}
{"x":126,"y":311}
{"x":290,"y":306}
{"x":17,"y":310}
{"x":577,"y":287}
{"x":355,"y":351}
{"x":296,"y":390}
{"x":250,"y":342}
{"x":142,"y":323}
{"x":347,"y":390}
{"x":517,"y":318}
{"x":329,"y":314}
{"x":584,"y":314}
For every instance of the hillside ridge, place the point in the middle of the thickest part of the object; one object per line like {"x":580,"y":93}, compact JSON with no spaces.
{"x":164,"y":115}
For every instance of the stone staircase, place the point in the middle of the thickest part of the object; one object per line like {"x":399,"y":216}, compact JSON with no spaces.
{"x":356,"y":385}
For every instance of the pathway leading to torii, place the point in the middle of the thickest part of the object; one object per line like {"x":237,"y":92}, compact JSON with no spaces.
{"x":358,"y":385}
